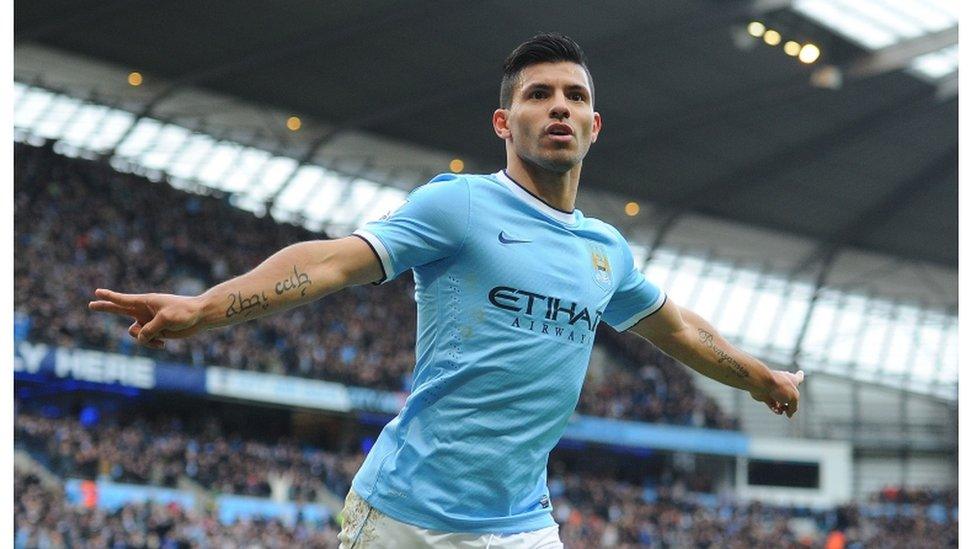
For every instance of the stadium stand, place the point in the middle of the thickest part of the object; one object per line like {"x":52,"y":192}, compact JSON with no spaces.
{"x":594,"y":509}
{"x":82,"y":225}
{"x":43,"y":518}
{"x":143,"y":451}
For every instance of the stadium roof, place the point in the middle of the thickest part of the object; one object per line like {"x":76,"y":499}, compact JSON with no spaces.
{"x":699,"y":116}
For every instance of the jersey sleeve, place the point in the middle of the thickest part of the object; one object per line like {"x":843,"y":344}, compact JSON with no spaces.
{"x":635,"y":297}
{"x":430,"y":225}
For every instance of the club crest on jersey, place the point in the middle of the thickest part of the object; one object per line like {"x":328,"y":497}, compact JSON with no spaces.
{"x":602,"y":273}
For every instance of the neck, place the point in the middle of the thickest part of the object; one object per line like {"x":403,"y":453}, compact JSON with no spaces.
{"x":555,"y":189}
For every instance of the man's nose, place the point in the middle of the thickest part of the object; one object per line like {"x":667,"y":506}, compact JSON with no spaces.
{"x":559,"y":108}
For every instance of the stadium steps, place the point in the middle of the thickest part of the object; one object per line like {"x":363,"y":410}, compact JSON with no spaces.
{"x":26,"y":463}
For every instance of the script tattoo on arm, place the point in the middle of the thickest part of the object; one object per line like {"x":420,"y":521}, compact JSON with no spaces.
{"x":240,"y":305}
{"x":709,"y":341}
{"x":296,"y":280}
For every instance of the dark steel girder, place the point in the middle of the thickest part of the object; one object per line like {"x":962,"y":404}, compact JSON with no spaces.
{"x":898,"y":56}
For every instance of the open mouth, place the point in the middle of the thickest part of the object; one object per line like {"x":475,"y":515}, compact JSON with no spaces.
{"x":559,"y":132}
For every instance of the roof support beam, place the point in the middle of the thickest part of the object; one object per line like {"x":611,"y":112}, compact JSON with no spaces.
{"x":902,"y":54}
{"x":947,"y":87}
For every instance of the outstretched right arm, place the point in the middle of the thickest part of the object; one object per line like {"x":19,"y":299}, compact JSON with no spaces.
{"x":293,"y":276}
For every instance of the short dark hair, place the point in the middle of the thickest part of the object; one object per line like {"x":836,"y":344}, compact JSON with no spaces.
{"x":547,"y":47}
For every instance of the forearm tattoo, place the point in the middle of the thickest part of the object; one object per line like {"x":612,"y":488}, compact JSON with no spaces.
{"x":296,"y":281}
{"x":240,"y":305}
{"x":709,"y":341}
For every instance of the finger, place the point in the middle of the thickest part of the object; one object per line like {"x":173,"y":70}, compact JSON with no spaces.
{"x":792,"y":406}
{"x":129,"y":300}
{"x":799,"y":377}
{"x":109,"y":307}
{"x":150,"y":330}
{"x":774,"y":406}
{"x":134,"y":329}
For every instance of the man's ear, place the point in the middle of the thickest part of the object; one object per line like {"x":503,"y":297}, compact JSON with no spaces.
{"x":597,"y":126}
{"x":499,"y":121}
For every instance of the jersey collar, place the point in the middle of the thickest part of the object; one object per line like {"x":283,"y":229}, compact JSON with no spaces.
{"x":534,"y":201}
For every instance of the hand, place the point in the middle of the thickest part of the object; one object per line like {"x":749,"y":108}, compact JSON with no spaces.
{"x":783,"y":394}
{"x":155,"y":316}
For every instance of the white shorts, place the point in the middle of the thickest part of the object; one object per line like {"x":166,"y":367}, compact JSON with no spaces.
{"x":364,"y":527}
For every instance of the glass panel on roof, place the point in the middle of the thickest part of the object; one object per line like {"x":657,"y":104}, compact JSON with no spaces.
{"x":19,"y":90}
{"x":349,"y":210}
{"x":846,"y":337}
{"x":293,"y":197}
{"x":901,"y":343}
{"x":31,"y":107}
{"x":685,"y":278}
{"x":881,"y":13}
{"x":736,"y":315}
{"x":927,"y":14}
{"x":241,"y":176}
{"x":195,"y":150}
{"x":273,"y":174}
{"x":110,"y":130}
{"x":139,"y":139}
{"x":659,"y":267}
{"x":872,"y":344}
{"x":792,"y":313}
{"x":763,"y":313}
{"x":321,"y":206}
{"x":639,"y":253}
{"x":851,"y":24}
{"x":218,"y":162}
{"x":169,"y":141}
{"x":388,"y":199}
{"x":949,"y":367}
{"x":84,"y":123}
{"x":54,"y":119}
{"x":712,"y":292}
{"x":937,"y":64}
{"x":816,"y":342}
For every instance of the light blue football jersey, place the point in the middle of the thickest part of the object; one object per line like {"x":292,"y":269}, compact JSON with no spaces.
{"x":509,"y":294}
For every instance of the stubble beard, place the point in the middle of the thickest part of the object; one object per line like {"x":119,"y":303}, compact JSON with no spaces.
{"x":554,"y":160}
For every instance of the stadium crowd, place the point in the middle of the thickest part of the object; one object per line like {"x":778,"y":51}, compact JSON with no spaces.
{"x":600,"y":511}
{"x":159,"y":451}
{"x":593,"y":509}
{"x":44,"y":519}
{"x":81,"y":224}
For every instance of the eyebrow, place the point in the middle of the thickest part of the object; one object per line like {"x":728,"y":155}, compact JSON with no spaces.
{"x":543,"y":86}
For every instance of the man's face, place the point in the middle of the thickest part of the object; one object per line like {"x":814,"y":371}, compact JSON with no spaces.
{"x":551,"y":122}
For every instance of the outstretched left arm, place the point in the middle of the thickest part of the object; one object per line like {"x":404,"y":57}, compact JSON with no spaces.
{"x":690,"y":339}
